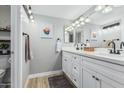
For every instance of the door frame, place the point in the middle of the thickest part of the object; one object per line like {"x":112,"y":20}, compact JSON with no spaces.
{"x":15,"y":47}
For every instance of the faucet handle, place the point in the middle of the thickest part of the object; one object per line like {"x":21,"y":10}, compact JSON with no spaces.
{"x":111,"y":52}
{"x":118,"y":51}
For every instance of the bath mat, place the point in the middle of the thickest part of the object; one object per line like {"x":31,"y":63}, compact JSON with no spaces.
{"x":59,"y":82}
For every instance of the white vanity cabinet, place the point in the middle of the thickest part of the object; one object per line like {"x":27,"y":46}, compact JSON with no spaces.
{"x":67,"y":64}
{"x":88,"y":72}
{"x":88,"y":78}
{"x":100,"y":74}
{"x":71,"y":66}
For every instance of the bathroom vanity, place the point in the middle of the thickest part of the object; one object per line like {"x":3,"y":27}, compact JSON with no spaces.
{"x":93,"y":69}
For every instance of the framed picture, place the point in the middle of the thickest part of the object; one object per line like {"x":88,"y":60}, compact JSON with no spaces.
{"x":47,"y":31}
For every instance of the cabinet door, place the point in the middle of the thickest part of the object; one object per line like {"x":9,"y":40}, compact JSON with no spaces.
{"x":89,"y":80}
{"x":64,"y":64}
{"x":105,"y":85}
{"x":67,"y":66}
{"x":106,"y":82}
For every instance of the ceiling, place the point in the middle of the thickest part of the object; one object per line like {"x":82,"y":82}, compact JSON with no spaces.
{"x":70,"y":12}
{"x":103,"y":18}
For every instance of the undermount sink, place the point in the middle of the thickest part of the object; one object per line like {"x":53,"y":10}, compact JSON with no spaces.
{"x":109,"y":55}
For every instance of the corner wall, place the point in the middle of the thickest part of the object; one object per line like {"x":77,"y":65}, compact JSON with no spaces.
{"x":45,"y":57}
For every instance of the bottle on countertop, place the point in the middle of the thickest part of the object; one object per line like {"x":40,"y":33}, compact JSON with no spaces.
{"x":87,"y":43}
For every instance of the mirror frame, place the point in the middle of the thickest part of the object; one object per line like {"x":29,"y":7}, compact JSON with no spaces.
{"x":73,"y":36}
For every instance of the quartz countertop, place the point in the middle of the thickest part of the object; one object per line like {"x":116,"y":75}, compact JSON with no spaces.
{"x":102,"y":54}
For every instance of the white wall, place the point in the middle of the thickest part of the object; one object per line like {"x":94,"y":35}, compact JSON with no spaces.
{"x":45,"y":57}
{"x":24,"y":65}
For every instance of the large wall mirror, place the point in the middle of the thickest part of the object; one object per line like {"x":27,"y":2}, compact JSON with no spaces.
{"x":68,"y":35}
{"x":102,"y":28}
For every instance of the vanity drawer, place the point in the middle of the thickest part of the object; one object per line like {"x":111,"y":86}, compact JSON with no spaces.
{"x":67,"y":54}
{"x":76,"y":67}
{"x":75,"y":80}
{"x":105,"y":64}
{"x":76,"y":59}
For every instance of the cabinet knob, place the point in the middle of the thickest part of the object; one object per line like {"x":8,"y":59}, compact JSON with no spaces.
{"x":97,"y":79}
{"x":93,"y":77}
{"x":74,"y":67}
{"x":65,"y":59}
{"x":74,"y":57}
{"x":75,"y":80}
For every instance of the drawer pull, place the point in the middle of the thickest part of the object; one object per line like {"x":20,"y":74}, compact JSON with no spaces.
{"x":75,"y":80}
{"x":65,"y":59}
{"x":74,"y":67}
{"x":97,"y":79}
{"x":93,"y":77}
{"x":74,"y":57}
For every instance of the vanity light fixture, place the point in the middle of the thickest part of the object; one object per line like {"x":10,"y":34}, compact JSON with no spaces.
{"x":78,"y":25}
{"x":66,"y":29}
{"x":107,"y":9}
{"x":87,"y":20}
{"x":73,"y":24}
{"x":29,"y":13}
{"x":82,"y":23}
{"x":31,"y":17}
{"x":81,"y":19}
{"x":32,"y":21}
{"x":29,"y":10}
{"x":77,"y":22}
{"x":99,"y":7}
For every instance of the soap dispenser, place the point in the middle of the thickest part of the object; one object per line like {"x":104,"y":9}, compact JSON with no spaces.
{"x":77,"y":47}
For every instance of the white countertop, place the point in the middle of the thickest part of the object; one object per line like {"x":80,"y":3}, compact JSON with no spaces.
{"x":102,"y":54}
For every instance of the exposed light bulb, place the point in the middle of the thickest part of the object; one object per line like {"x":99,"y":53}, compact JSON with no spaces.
{"x":78,"y":25}
{"x":107,"y":9}
{"x":99,"y":7}
{"x":77,"y":22}
{"x":82,"y":23}
{"x":73,"y":24}
{"x":65,"y":29}
{"x":65,"y":32}
{"x":29,"y":11}
{"x":72,"y":28}
{"x":31,"y":17}
{"x":81,"y":18}
{"x":32,"y":21}
{"x":87,"y":20}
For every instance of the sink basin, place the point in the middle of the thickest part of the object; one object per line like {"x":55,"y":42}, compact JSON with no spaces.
{"x":109,"y":55}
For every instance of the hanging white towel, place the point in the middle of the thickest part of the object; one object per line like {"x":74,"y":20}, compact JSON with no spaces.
{"x":58,"y":46}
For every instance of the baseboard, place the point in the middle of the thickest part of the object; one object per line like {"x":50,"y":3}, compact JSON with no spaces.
{"x":45,"y":74}
{"x":26,"y":83}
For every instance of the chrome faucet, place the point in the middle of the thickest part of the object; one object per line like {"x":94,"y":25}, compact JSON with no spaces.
{"x":114,"y":47}
{"x":82,"y":45}
{"x":121,"y":45}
